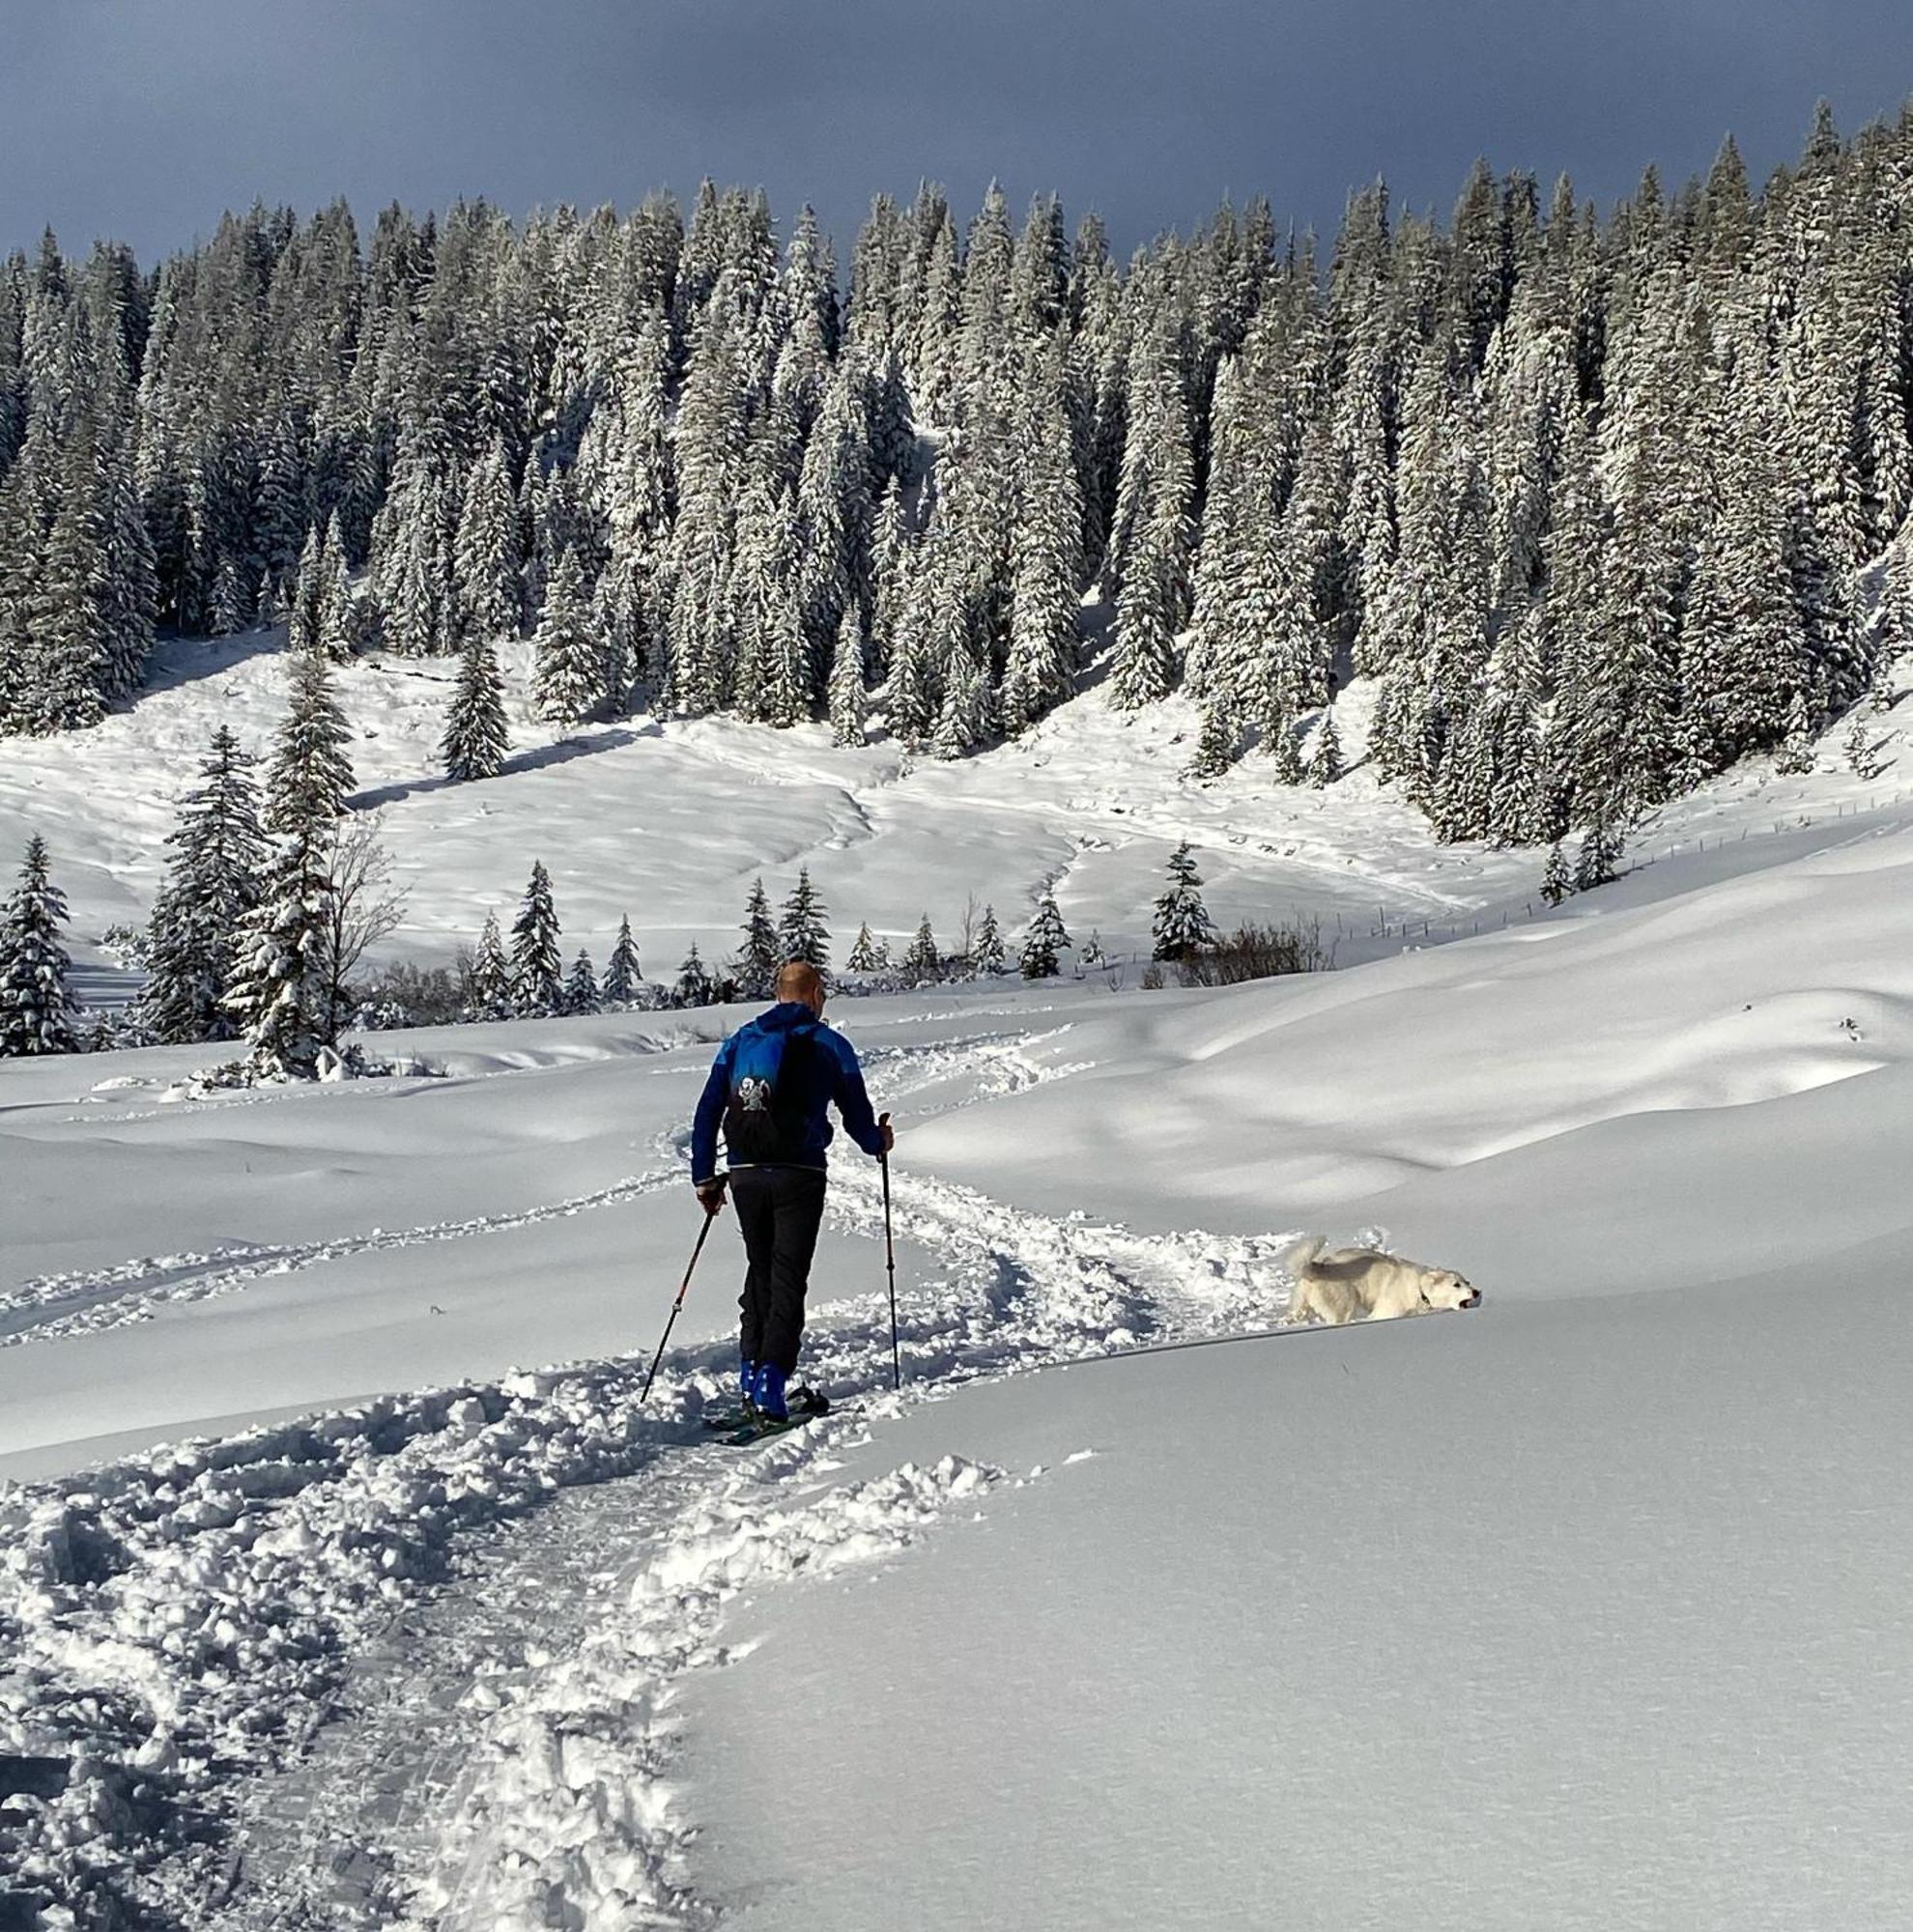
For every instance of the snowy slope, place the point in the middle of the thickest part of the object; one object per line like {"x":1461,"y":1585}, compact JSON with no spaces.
{"x":670,"y":821}
{"x":1616,"y":1564}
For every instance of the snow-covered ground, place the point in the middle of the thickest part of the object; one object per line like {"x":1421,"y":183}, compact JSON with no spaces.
{"x":1586,"y":1608}
{"x":670,"y":822}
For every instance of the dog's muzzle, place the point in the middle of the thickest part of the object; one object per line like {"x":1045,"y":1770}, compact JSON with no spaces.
{"x":1471,"y":1299}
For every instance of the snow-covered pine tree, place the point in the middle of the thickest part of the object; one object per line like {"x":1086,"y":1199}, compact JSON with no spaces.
{"x":337,"y":625}
{"x":536,"y":964}
{"x":486,"y":551}
{"x":802,"y":933}
{"x":580,"y":989}
{"x":1215,"y":745}
{"x":1285,"y":766}
{"x":1044,"y":942}
{"x":1861,"y":751}
{"x":694,"y":983}
{"x":569,"y":675}
{"x":490,"y":970}
{"x":1046,"y":558}
{"x":922,"y":964}
{"x":310,"y":776}
{"x":303,"y":615}
{"x":36,"y":1005}
{"x":848,"y":700}
{"x":1182,"y":925}
{"x":1324,"y":760}
{"x":1599,"y":856}
{"x":622,"y":973}
{"x":212,"y":885}
{"x":1795,"y":756}
{"x":1145,"y":663}
{"x":867,"y":955}
{"x":761,"y":953}
{"x":1556,"y":881}
{"x":476,"y":737}
{"x":988,"y":956}
{"x":227,"y":611}
{"x":280,"y":996}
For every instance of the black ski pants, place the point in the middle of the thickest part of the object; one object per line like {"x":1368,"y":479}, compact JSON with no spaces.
{"x":778,"y":1211}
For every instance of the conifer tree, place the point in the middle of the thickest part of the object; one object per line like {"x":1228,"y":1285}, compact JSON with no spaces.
{"x":1182,"y":925}
{"x":867,"y":955}
{"x":802,"y":933}
{"x":1557,"y":882}
{"x":622,"y":973}
{"x":212,"y":885}
{"x":1861,"y":751}
{"x":580,"y":990}
{"x":1043,"y":941}
{"x":491,"y":971}
{"x":570,"y":664}
{"x":1795,"y":758}
{"x":536,"y":965}
{"x":282,"y":991}
{"x":1324,"y":760}
{"x":988,"y":956}
{"x":1598,"y":857}
{"x":486,"y":551}
{"x":1215,"y":745}
{"x":336,"y":631}
{"x":310,"y":776}
{"x":476,"y":737}
{"x":36,"y":1005}
{"x":847,"y":698}
{"x":922,"y":962}
{"x":226,"y":613}
{"x":1285,"y":764}
{"x":694,"y":983}
{"x":760,"y":956}
{"x":303,"y":613}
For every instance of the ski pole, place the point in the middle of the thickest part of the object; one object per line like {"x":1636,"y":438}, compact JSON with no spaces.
{"x":890,"y":1262}
{"x":682,"y":1289}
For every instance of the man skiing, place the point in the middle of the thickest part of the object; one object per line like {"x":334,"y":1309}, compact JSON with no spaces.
{"x":771,"y":1087}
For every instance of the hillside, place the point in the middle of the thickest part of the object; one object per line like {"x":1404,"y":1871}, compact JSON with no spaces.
{"x":1662,"y":1131}
{"x":668,"y":821}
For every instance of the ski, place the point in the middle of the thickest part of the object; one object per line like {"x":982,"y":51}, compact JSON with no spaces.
{"x":760,"y":1429}
{"x":803,"y":1403}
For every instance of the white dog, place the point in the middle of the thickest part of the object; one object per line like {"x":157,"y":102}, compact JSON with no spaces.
{"x":1343,"y":1284}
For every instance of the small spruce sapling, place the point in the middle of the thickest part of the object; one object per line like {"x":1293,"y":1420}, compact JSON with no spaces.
{"x":1044,"y":942}
{"x":694,"y":983}
{"x":867,"y":954}
{"x":1182,"y":923}
{"x":923,"y":963}
{"x":622,"y":972}
{"x":1324,"y":761}
{"x":988,"y":956}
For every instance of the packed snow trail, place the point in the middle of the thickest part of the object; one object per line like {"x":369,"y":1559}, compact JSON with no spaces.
{"x":87,"y":1302}
{"x":183,"y":1626}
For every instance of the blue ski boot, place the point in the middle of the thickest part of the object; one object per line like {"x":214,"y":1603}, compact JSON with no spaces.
{"x":770,"y":1393}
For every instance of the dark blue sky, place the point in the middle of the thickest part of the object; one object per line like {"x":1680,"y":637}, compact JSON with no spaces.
{"x":142,"y":119}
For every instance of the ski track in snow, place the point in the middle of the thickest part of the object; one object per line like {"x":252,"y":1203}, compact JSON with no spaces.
{"x":48,"y":1307}
{"x":386,"y":1665}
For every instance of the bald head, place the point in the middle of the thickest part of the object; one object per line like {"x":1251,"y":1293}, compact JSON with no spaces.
{"x":799,"y":981}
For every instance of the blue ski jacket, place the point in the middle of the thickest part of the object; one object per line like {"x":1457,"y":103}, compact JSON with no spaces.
{"x":829,"y":1073}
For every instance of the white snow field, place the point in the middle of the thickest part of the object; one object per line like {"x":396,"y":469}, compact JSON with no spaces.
{"x":324,"y":1607}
